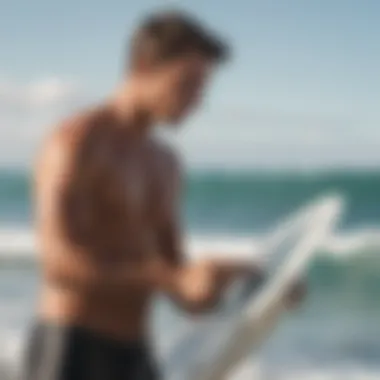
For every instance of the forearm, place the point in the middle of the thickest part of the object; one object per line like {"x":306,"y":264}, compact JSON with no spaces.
{"x":188,"y":292}
{"x":197,"y":291}
{"x":82,"y":272}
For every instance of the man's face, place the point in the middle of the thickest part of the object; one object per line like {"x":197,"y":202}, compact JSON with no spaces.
{"x":177,"y":87}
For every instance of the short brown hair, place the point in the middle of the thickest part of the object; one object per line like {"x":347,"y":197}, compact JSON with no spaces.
{"x":165,"y":36}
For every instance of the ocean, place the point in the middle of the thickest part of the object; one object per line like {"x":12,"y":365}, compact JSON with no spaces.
{"x":336,"y":332}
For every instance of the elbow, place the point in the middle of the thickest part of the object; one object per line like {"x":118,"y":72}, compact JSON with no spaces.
{"x":68,"y":276}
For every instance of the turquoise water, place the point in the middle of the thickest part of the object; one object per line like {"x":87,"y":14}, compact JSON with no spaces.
{"x":234,"y":201}
{"x":248,"y":202}
{"x":338,"y":324}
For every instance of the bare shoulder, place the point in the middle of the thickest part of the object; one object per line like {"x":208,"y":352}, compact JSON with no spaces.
{"x":67,"y":138}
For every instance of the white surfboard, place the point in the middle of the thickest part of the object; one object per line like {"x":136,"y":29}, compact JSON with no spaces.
{"x":219,"y":344}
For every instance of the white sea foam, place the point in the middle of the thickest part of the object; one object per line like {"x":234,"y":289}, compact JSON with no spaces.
{"x":20,"y":244}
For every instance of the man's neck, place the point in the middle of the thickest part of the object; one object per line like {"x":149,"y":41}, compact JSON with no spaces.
{"x":131,"y":111}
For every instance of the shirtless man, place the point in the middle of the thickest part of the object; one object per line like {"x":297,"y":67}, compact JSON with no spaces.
{"x":107,"y":198}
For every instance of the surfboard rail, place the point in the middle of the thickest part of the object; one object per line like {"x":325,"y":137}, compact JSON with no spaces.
{"x":261,"y":315}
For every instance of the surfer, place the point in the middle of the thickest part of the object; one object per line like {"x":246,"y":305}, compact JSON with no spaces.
{"x":107,"y":197}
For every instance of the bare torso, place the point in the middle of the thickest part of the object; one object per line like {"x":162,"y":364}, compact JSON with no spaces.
{"x":116,"y":189}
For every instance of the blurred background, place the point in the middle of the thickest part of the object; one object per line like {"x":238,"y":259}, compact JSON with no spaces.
{"x":294,"y":115}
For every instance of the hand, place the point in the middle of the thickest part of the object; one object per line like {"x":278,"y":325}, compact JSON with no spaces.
{"x":198,"y":285}
{"x":296,"y":295}
{"x":231,"y":270}
{"x":202,"y":284}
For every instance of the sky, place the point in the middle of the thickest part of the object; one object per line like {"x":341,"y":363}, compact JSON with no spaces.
{"x":302,"y":90}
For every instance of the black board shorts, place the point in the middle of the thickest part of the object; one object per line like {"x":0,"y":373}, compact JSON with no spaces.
{"x":56,"y":352}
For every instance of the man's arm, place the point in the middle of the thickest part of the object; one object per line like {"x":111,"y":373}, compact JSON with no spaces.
{"x":198,"y":286}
